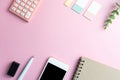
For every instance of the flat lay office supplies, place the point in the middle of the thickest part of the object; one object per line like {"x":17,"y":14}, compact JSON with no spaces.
{"x":80,"y":5}
{"x":13,"y":69}
{"x":54,"y":70}
{"x":68,"y":3}
{"x":57,"y":30}
{"x":26,"y":68}
{"x":24,"y":8}
{"x":92,"y":10}
{"x":88,"y":69}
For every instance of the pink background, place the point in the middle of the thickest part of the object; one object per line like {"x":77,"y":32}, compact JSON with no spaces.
{"x":57,"y":31}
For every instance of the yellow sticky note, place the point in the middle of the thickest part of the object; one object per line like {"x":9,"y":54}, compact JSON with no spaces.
{"x":68,"y":3}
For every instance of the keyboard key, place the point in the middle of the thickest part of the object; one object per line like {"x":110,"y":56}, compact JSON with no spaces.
{"x":35,"y":1}
{"x":22,"y":14}
{"x":31,"y":9}
{"x":18,"y":1}
{"x":33,"y":5}
{"x":28,"y":15}
{"x":25,"y":1}
{"x":22,"y":4}
{"x":18,"y":11}
{"x":31,"y":0}
{"x":20,"y":7}
{"x":25,"y":10}
{"x":13,"y":8}
{"x":16,"y":5}
{"x":26,"y":6}
{"x":29,"y":3}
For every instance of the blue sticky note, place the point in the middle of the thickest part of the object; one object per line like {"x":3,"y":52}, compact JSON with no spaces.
{"x":77,"y":8}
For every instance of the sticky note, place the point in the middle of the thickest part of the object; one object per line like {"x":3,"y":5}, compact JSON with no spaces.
{"x":92,"y":10}
{"x":68,"y":3}
{"x":80,"y":5}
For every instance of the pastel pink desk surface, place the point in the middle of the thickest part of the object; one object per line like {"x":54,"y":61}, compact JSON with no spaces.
{"x":57,"y":31}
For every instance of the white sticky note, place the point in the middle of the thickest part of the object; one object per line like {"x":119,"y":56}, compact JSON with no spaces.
{"x":80,"y":5}
{"x":68,"y":3}
{"x":92,"y":10}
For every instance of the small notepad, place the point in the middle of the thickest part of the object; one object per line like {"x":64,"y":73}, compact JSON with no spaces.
{"x":80,"y":5}
{"x":68,"y":3}
{"x":91,"y":70}
{"x":92,"y":10}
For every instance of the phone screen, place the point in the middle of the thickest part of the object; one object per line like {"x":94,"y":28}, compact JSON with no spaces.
{"x":52,"y":72}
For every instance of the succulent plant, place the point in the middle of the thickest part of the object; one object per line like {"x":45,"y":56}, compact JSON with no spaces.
{"x":112,"y":16}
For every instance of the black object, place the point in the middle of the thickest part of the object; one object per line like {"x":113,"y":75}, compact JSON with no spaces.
{"x":53,"y":73}
{"x":13,"y":68}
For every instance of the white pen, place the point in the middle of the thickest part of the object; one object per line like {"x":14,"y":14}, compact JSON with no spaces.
{"x":26,"y":68}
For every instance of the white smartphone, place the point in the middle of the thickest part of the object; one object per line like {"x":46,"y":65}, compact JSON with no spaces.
{"x":54,"y":70}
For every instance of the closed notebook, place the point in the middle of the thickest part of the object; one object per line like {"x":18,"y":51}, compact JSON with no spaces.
{"x":88,"y":69}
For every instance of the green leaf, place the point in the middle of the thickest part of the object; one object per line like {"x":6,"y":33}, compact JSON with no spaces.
{"x":109,"y":21}
{"x":115,"y":12}
{"x":118,"y":8}
{"x":112,"y":17}
{"x":118,"y":4}
{"x":106,"y":26}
